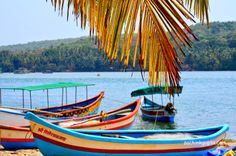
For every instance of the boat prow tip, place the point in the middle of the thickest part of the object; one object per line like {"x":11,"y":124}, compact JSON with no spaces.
{"x":29,"y":115}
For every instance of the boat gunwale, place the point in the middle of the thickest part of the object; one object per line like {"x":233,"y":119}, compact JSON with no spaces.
{"x":84,"y":133}
{"x":137,"y":103}
{"x":26,"y":127}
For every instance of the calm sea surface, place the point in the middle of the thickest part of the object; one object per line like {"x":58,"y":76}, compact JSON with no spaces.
{"x":208,"y":98}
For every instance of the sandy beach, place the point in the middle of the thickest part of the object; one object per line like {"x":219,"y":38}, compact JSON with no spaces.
{"x":36,"y":152}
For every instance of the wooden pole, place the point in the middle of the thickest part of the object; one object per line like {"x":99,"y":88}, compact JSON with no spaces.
{"x":23,"y":98}
{"x":161,"y":100}
{"x":75,"y":94}
{"x":0,"y":97}
{"x":66,"y":95}
{"x":86,"y":92}
{"x":30,"y":100}
{"x":47,"y":99}
{"x":152,"y":100}
{"x":62,"y":95}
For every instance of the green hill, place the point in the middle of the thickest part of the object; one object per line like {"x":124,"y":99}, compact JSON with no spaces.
{"x":31,"y":46}
{"x":215,"y":50}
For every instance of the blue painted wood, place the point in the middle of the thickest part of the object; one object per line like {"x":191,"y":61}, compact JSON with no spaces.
{"x":18,"y":145}
{"x":157,"y":118}
{"x":150,"y":111}
{"x":46,"y":148}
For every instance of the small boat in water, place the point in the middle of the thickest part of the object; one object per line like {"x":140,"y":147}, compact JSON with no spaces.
{"x":54,"y":140}
{"x":154,"y":111}
{"x":18,"y":137}
{"x":78,"y":108}
{"x":81,"y":108}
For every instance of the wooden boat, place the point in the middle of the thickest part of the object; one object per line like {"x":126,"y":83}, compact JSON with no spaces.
{"x":81,"y":108}
{"x":17,"y":137}
{"x":154,"y":111}
{"x":54,"y":140}
{"x":46,"y":87}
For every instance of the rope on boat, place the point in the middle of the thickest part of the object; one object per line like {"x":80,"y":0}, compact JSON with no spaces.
{"x":28,"y":134}
{"x":155,"y":123}
{"x":141,"y":121}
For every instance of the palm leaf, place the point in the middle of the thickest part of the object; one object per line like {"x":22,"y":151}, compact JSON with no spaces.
{"x":160,"y":24}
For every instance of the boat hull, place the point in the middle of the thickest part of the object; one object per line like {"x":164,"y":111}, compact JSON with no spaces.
{"x":17,"y":144}
{"x":158,"y":118}
{"x":45,"y":146}
{"x":22,"y":138}
{"x":155,"y":112}
{"x":12,"y":138}
{"x":61,"y":141}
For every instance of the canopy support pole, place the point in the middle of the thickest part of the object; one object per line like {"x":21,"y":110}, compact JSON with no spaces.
{"x":47,"y":99}
{"x":62,"y":96}
{"x":0,"y":97}
{"x":66,"y":95}
{"x":86,"y":92}
{"x":30,"y":100}
{"x":152,"y":101}
{"x":75,"y":94}
{"x":23,"y":98}
{"x":162,"y":100}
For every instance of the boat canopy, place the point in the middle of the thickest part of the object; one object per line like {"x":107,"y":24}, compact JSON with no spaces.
{"x":157,"y":90}
{"x":50,"y":86}
{"x":62,"y":85}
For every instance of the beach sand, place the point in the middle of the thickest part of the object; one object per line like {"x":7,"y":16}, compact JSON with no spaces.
{"x":36,"y":152}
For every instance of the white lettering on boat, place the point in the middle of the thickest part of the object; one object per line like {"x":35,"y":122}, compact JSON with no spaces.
{"x":48,"y":132}
{"x":200,"y":143}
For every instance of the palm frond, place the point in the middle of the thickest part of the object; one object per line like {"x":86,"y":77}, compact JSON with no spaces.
{"x":200,"y":8}
{"x":160,"y":24}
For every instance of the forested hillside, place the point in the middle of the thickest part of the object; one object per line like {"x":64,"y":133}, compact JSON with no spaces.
{"x":215,"y":50}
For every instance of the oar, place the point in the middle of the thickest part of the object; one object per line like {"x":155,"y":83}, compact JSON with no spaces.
{"x":98,"y":117}
{"x":32,"y":110}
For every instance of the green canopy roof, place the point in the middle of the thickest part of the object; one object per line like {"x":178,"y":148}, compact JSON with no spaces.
{"x":157,"y":90}
{"x":50,"y":86}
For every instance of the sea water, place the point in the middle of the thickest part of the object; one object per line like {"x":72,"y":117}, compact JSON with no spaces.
{"x":207,"y":99}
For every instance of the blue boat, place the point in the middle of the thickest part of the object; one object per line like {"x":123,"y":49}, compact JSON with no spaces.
{"x":154,"y":111}
{"x":54,"y":140}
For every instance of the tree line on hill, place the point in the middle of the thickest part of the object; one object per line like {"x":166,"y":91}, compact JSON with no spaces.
{"x":215,"y":50}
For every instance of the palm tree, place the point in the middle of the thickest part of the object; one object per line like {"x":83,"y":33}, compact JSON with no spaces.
{"x":160,"y":26}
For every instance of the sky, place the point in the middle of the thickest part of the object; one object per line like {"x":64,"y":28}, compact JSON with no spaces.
{"x":25,"y":21}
